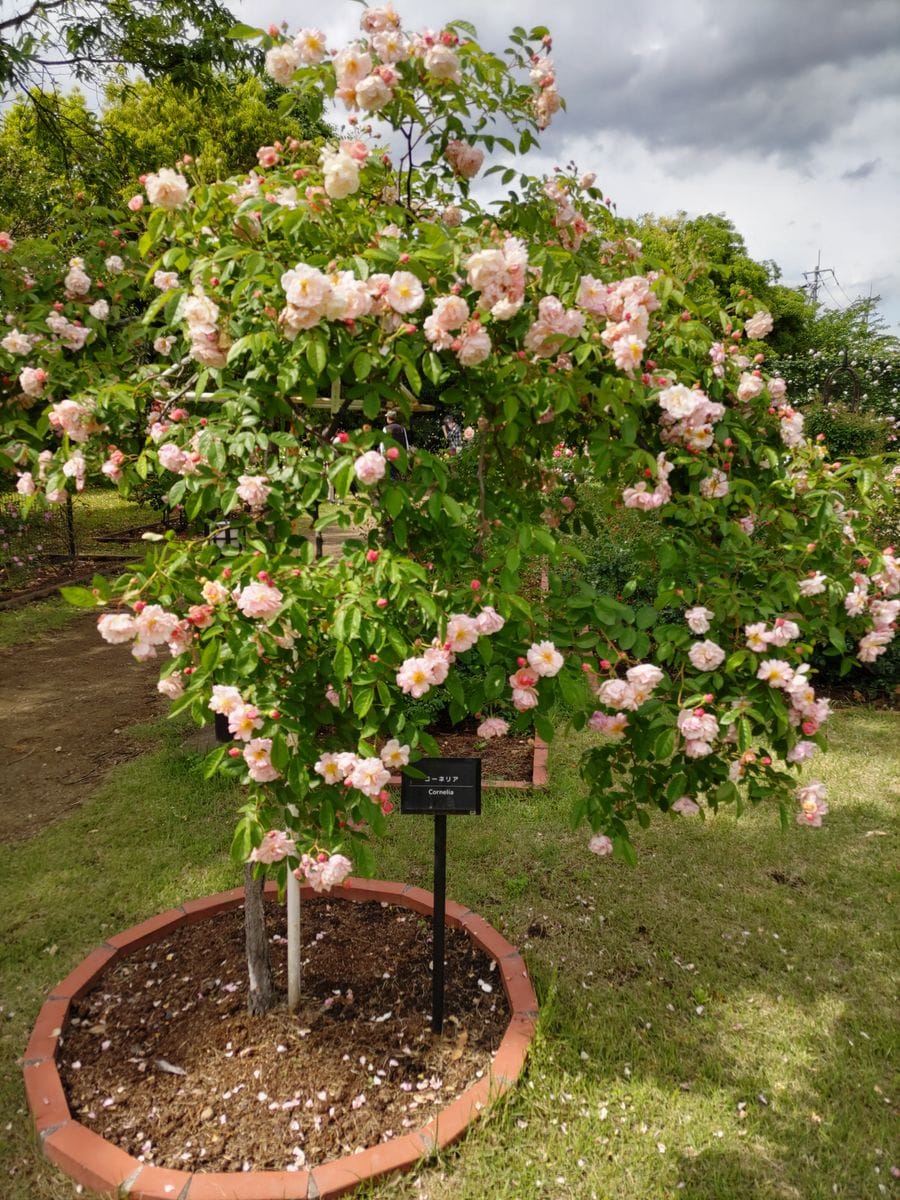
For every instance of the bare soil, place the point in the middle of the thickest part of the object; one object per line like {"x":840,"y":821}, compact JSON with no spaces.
{"x":65,"y":707}
{"x":66,"y":704}
{"x":162,"y":1059}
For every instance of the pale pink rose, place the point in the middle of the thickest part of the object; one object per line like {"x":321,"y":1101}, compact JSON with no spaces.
{"x":439,"y":660}
{"x":72,"y":418}
{"x":493,"y":727}
{"x":75,"y":468}
{"x":391,"y":46}
{"x":475,"y":345}
{"x":612,"y":726}
{"x":372,"y":93}
{"x":370,"y":775}
{"x":884,"y":612}
{"x":812,"y":803}
{"x":143,"y":651}
{"x":465,"y":160}
{"x":697,"y":749}
{"x":332,"y":697}
{"x":136,"y":203}
{"x":16,"y":342}
{"x":750,"y":386}
{"x":33,"y":380}
{"x":544,"y":659}
{"x":775,"y":673}
{"x":165,"y":281}
{"x":6,"y":242}
{"x":449,"y":314}
{"x":489,"y":621}
{"x":163,"y":345}
{"x":696,"y":725}
{"x":642,"y":679}
{"x":715,"y":485}
{"x":759,"y":325}
{"x":114,"y":264}
{"x":600,"y":844}
{"x":813,"y":586}
{"x":874,"y":644}
{"x":76,"y":282}
{"x":679,"y":401}
{"x":706,"y":655}
{"x":281,"y":63}
{"x":311,"y":46}
{"x":172,"y":686}
{"x":268,"y":156}
{"x":524,"y":699}
{"x":351,"y":66}
{"x":757,"y":636}
{"x":214,"y":592}
{"x":99,"y":310}
{"x":243,"y":721}
{"x":277,"y":844}
{"x":592,"y":295}
{"x":855,"y":602}
{"x":405,"y":293}
{"x":154,"y":625}
{"x":25,"y":484}
{"x":394,"y":755}
{"x":172,"y":457}
{"x":260,"y":600}
{"x":802,"y":751}
{"x":686,"y":806}
{"x":253,"y":490}
{"x":782,"y":632}
{"x":616,"y":693}
{"x":322,"y":876}
{"x":442,"y":63}
{"x":370,"y":467}
{"x":340,"y":176}
{"x":462,"y":633}
{"x":167,"y":189}
{"x":328,"y":767}
{"x":258,"y":757}
{"x":117,"y":627}
{"x":698,"y":618}
{"x":415,"y":677}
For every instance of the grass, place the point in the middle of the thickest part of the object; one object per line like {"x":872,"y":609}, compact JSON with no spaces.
{"x":36,"y":620}
{"x":716,"y":1023}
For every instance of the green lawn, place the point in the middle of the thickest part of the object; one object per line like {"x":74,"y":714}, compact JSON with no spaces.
{"x":716,"y":1023}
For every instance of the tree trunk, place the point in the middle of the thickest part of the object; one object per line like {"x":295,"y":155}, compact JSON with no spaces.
{"x":259,"y":965}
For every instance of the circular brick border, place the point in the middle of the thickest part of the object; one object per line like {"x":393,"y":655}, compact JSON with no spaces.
{"x":101,"y":1167}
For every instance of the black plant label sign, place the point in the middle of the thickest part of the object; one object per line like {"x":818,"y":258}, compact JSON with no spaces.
{"x":450,"y":785}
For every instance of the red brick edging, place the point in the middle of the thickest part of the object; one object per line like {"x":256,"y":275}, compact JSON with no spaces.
{"x":102,"y":1168}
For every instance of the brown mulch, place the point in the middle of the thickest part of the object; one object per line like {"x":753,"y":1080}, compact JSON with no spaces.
{"x":162,"y":1059}
{"x":506,"y":758}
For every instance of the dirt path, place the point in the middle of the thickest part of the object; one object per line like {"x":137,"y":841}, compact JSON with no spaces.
{"x":65,"y":707}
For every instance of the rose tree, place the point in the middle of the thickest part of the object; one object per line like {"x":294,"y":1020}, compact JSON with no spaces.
{"x":361,"y":274}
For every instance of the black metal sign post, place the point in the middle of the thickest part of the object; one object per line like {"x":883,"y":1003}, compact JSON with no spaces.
{"x":448,"y":785}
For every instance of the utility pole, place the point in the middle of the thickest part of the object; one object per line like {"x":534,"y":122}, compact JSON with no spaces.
{"x":817,"y":276}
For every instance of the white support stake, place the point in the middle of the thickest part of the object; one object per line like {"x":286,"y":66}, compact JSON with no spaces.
{"x":293,"y":941}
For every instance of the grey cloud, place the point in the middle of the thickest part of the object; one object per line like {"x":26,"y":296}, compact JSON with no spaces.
{"x":864,"y":170}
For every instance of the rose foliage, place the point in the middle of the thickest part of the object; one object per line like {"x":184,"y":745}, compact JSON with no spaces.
{"x":219,"y":341}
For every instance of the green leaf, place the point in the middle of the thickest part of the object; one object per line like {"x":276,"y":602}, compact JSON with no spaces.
{"x":343,"y":661}
{"x":646,"y":616}
{"x":316,"y":355}
{"x":81,"y":597}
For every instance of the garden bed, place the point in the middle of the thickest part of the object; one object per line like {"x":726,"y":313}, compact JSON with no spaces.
{"x":144,"y":1066}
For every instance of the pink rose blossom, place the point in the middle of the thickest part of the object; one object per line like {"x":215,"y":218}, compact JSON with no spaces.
{"x":260,"y":600}
{"x":462,"y":633}
{"x":253,"y":490}
{"x":489,"y":621}
{"x":117,"y":627}
{"x":544,"y":659}
{"x":812,"y":803}
{"x":172,"y":686}
{"x":167,"y":189}
{"x":154,"y":625}
{"x":323,"y":876}
{"x":405,"y":293}
{"x":612,"y":726}
{"x":464,"y":159}
{"x":698,"y":618}
{"x":243,"y":720}
{"x":493,"y":727}
{"x":257,"y":756}
{"x":706,"y":655}
{"x":415,"y":677}
{"x":759,"y":325}
{"x":686,"y":806}
{"x":394,"y":755}
{"x":600,"y":844}
{"x":225,"y":699}
{"x":370,"y":467}
{"x":801,"y":752}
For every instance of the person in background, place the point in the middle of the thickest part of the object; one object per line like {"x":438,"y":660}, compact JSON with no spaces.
{"x":395,"y":430}
{"x":452,"y":433}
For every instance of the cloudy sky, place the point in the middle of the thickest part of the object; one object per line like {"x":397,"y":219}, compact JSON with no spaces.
{"x":783,"y":114}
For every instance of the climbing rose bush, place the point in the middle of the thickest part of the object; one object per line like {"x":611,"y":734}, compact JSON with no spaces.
{"x":361,"y":274}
